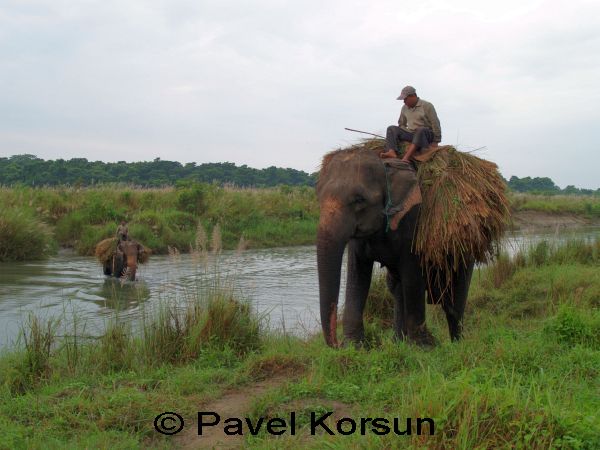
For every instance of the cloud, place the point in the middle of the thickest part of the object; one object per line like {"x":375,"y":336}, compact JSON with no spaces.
{"x":274,"y":83}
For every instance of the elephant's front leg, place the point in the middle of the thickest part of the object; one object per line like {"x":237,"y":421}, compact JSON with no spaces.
{"x":358,"y":281}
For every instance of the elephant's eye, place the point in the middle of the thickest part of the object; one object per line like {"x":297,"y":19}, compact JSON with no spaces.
{"x":358,"y":199}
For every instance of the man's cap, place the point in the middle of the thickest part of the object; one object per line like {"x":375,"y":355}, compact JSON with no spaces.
{"x":406,"y":91}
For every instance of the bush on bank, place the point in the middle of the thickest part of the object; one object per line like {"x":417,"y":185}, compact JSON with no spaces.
{"x":23,"y":236}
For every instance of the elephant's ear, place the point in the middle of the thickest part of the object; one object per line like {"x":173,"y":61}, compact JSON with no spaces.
{"x":403,"y":188}
{"x":414,"y":198}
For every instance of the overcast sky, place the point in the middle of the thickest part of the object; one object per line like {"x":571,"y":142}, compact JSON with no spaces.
{"x":269,"y":82}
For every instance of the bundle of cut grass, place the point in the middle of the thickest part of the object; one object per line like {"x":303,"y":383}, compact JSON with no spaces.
{"x":106,"y":248}
{"x":144,"y":255}
{"x":464,"y":211}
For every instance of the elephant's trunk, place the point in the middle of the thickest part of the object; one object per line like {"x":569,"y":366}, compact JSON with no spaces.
{"x":332,"y":237}
{"x":131,"y":266}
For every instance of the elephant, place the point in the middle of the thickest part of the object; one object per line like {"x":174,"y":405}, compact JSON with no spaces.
{"x":352,"y":191}
{"x":124,"y":260}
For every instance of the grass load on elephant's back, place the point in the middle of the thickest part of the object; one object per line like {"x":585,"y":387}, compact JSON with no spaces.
{"x":23,"y":237}
{"x":106,"y":249}
{"x":464,"y":210}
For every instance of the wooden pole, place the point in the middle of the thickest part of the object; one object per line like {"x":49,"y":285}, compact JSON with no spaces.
{"x":364,"y":132}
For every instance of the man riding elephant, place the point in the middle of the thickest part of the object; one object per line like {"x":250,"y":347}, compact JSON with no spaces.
{"x":418,"y":124}
{"x":122,"y":231}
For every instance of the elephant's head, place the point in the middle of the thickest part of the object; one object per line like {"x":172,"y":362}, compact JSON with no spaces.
{"x":131,"y":251}
{"x":352,"y":193}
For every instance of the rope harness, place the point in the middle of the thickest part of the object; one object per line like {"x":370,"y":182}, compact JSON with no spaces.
{"x":388,"y":202}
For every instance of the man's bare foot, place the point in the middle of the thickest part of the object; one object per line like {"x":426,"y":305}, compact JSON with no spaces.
{"x":389,"y":154}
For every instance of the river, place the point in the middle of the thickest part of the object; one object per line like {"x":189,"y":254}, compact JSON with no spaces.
{"x":280,"y":282}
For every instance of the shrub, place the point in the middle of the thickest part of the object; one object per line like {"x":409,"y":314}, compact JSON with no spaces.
{"x":70,"y":227}
{"x":179,"y":219}
{"x":23,"y":237}
{"x":97,"y":209}
{"x":192,"y":198}
{"x":572,"y":326}
{"x":210,"y":321}
{"x":91,"y":235}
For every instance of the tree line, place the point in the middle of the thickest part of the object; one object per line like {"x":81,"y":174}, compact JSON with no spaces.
{"x":544,"y":185}
{"x":33,"y":171}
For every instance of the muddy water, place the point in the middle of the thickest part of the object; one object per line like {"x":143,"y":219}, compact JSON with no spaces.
{"x":280,"y":282}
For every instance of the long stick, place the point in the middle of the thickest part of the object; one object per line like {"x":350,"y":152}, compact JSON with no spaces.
{"x":364,"y":132}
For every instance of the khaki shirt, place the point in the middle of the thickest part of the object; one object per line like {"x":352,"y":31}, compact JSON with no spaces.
{"x":422,"y":115}
{"x":122,"y":230}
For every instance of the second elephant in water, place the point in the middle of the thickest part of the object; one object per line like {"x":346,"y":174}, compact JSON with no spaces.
{"x":124,"y":261}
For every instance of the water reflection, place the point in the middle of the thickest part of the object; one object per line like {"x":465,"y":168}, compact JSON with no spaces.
{"x":122,"y":295}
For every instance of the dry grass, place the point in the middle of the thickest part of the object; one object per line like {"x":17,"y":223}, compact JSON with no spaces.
{"x":465,"y":210}
{"x":105,"y":249}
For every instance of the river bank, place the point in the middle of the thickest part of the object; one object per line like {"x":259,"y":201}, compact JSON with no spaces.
{"x":525,"y":375}
{"x":34,"y":222}
{"x":163,"y":219}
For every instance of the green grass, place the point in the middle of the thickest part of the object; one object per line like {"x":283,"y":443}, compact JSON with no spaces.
{"x":583,"y":205}
{"x":162,"y":218}
{"x":526,"y":374}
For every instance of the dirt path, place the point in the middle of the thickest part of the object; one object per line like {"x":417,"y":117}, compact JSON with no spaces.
{"x":234,"y":403}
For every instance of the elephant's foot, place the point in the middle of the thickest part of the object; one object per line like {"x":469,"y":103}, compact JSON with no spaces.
{"x":421,"y":336}
{"x":357,"y":340}
{"x":356,"y":343}
{"x":456,"y":335}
